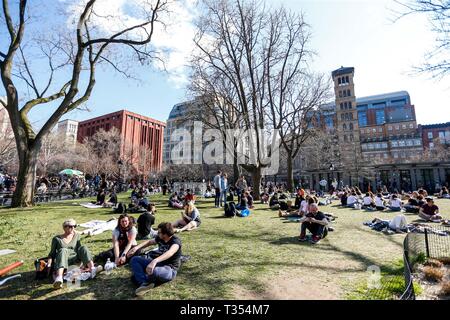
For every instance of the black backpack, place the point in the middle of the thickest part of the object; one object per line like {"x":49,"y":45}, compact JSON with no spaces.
{"x":120,"y":208}
{"x":230,"y":209}
{"x":230,"y":197}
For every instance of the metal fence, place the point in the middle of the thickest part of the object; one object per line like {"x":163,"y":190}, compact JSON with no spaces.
{"x":433,"y":243}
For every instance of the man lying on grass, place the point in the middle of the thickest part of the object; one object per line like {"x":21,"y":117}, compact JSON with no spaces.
{"x":316,"y":222}
{"x":160,"y":265}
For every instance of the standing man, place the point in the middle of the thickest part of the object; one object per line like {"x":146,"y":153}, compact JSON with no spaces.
{"x":217,"y":179}
{"x":241,"y":187}
{"x":223,"y":189}
{"x":163,"y":264}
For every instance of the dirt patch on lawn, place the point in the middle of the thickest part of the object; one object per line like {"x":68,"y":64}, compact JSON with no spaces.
{"x":291,"y":286}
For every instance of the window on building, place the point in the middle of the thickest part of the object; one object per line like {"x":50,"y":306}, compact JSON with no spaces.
{"x":351,"y":138}
{"x":362,"y":118}
{"x":349,"y":105}
{"x":404,"y":126}
{"x":430,"y":135}
{"x":417,"y":142}
{"x":442,"y":136}
{"x":342,"y":106}
{"x":397,"y":127}
{"x":339,"y":81}
{"x":374,"y":130}
{"x":340,"y":94}
{"x":342,"y":116}
{"x":344,"y":127}
{"x":384,"y":145}
{"x":380,"y":117}
{"x":394,"y":144}
{"x":401,"y":143}
{"x":411,"y":125}
{"x":431,"y":145}
{"x":345,"y":138}
{"x":390,"y":128}
{"x":385,"y":155}
{"x":409,"y":143}
{"x":351,"y":126}
{"x":395,"y":155}
{"x":380,"y":130}
{"x":347,"y":79}
{"x":348,"y":93}
{"x":364,"y":146}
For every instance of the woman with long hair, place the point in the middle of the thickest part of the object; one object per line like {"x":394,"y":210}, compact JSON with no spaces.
{"x":123,"y":239}
{"x":190,"y":219}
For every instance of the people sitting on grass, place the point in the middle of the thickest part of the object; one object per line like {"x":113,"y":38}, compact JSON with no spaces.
{"x":123,"y":239}
{"x":145,"y":222}
{"x":190,"y":219}
{"x":249,"y":197}
{"x":316,"y":222}
{"x":190,"y":197}
{"x":265,"y":196}
{"x":444,"y":193}
{"x":415,"y":202}
{"x":159,"y":266}
{"x":352,"y":200}
{"x":175,"y":202}
{"x":101,"y":197}
{"x":243,"y":204}
{"x":112,"y":201}
{"x":274,"y":202}
{"x":344,"y":198}
{"x":430,"y":212}
{"x":66,"y":249}
{"x":369,"y":201}
{"x":395,"y":204}
{"x":380,"y":204}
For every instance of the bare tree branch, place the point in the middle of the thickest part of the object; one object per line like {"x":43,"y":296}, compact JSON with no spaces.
{"x":9,"y":23}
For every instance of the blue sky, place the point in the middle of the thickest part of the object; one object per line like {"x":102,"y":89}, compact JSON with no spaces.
{"x":353,"y":33}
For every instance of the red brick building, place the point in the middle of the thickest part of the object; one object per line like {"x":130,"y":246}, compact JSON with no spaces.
{"x":142,"y":137}
{"x":435,"y":133}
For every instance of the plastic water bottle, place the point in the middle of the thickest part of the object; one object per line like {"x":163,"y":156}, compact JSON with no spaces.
{"x":109,"y":266}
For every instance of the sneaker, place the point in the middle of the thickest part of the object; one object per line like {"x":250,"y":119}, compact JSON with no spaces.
{"x":302,"y":239}
{"x":315,"y":239}
{"x":144,"y":288}
{"x":58,"y":282}
{"x":96,"y":270}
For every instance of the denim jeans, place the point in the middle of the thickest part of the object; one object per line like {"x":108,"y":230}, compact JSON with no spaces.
{"x":217,"y":197}
{"x":223,"y":197}
{"x":395,"y":208}
{"x":161,"y":274}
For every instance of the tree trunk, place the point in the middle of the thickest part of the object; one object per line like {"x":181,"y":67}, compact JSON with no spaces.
{"x":24,"y":193}
{"x":290,"y":173}
{"x":236,"y":167}
{"x":256,"y":181}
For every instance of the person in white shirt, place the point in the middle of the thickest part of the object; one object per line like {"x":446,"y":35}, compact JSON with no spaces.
{"x":379,"y":202}
{"x":395,"y":203}
{"x":352,"y":200}
{"x":397,"y":224}
{"x":368,"y":201}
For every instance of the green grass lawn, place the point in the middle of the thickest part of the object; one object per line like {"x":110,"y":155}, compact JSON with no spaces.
{"x":257,"y":257}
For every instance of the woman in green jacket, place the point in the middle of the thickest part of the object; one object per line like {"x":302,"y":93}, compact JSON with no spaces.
{"x":66,"y":250}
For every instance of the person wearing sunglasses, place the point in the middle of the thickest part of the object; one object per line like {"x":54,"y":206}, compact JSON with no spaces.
{"x":66,"y":249}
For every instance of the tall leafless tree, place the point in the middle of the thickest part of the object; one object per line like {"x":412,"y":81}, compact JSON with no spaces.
{"x":437,"y":60}
{"x":231,"y":43}
{"x":294,"y":92}
{"x":76,"y":53}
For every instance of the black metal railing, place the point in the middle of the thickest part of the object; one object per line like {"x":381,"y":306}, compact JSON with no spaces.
{"x":417,"y":247}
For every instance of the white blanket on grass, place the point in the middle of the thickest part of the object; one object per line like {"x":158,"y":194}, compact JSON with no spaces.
{"x":98,"y":226}
{"x":91,"y":205}
{"x":6,"y":251}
